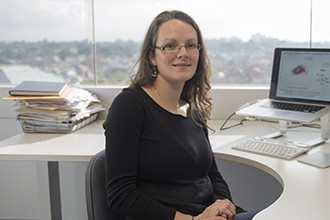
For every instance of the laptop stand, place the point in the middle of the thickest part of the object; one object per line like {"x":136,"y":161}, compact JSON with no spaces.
{"x":325,"y":131}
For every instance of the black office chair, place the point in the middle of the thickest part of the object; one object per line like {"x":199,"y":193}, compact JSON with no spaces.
{"x":97,"y":208}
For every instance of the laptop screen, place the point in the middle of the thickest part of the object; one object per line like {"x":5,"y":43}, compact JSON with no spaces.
{"x":301,"y":74}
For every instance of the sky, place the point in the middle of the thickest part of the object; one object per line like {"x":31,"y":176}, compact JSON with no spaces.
{"x":66,"y":20}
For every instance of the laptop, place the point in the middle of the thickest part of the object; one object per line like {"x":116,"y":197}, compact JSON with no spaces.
{"x":299,"y":89}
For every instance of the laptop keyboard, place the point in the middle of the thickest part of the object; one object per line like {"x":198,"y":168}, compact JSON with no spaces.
{"x":294,"y":107}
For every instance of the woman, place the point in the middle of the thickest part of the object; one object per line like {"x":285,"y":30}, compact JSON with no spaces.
{"x":159,"y":162}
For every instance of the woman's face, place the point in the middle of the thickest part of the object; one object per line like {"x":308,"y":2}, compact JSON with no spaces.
{"x":180,"y":64}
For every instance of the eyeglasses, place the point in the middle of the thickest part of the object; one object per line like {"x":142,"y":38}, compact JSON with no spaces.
{"x":173,"y":48}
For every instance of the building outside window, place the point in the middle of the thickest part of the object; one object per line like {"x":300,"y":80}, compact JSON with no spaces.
{"x":98,"y":41}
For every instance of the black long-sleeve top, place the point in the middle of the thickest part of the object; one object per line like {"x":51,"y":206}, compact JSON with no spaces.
{"x":157,"y":162}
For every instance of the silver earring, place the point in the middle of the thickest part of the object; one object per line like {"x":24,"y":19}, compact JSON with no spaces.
{"x":155,"y":72}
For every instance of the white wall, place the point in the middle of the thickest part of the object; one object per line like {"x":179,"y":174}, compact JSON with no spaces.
{"x":19,"y":197}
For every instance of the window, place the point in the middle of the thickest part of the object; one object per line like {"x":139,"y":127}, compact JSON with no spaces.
{"x":71,"y":39}
{"x":320,"y":34}
{"x":44,"y":40}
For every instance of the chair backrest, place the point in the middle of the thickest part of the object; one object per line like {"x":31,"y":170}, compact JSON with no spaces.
{"x":97,"y":207}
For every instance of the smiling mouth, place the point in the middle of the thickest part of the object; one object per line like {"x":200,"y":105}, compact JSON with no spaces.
{"x":182,"y":64}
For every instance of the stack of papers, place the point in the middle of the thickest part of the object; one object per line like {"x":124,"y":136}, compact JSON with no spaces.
{"x":72,"y":109}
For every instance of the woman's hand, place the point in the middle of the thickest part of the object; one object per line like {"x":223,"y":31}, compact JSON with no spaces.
{"x":220,"y":209}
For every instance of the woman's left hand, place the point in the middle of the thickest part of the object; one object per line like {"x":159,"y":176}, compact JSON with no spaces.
{"x":225,"y":208}
{"x":219,"y":210}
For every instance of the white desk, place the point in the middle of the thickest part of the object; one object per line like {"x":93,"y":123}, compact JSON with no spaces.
{"x":306,"y":189}
{"x":50,"y":149}
{"x":306,"y":192}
